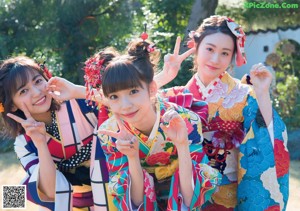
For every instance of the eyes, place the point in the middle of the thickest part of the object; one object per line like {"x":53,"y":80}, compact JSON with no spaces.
{"x":211,"y":50}
{"x":131,"y":92}
{"x":38,"y":81}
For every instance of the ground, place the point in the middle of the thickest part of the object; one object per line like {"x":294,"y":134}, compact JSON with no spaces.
{"x":12,"y":173}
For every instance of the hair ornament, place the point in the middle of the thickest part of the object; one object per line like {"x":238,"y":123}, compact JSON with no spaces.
{"x":191,"y":42}
{"x":94,"y":70}
{"x":151,"y":48}
{"x":193,"y":37}
{"x":144,"y":35}
{"x":240,"y":57}
{"x":1,"y":108}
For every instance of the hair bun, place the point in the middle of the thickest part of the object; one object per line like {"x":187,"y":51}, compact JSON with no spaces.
{"x":139,"y":49}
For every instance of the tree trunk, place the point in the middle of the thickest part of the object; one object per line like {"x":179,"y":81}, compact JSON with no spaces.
{"x":201,"y":10}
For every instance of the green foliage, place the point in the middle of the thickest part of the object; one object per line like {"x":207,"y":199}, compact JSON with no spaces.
{"x":65,"y":31}
{"x":287,"y":94}
{"x":262,"y":18}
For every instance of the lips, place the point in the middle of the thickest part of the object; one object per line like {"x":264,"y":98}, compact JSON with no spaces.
{"x":130,"y":115}
{"x":211,"y":67}
{"x":40,"y":101}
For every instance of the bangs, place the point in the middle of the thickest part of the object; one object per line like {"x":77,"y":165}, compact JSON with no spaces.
{"x":120,"y":76}
{"x":17,"y":78}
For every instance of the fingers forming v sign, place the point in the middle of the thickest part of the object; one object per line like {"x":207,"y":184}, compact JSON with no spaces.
{"x":126,"y":142}
{"x":172,"y":62}
{"x":36,"y":130}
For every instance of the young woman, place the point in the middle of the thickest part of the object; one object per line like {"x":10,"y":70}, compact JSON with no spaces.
{"x":53,"y":141}
{"x":153,"y":148}
{"x":245,"y":139}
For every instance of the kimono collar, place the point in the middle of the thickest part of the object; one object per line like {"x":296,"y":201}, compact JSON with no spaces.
{"x":157,"y":121}
{"x":206,"y":91}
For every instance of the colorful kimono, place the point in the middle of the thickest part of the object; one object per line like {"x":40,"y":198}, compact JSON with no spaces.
{"x":71,"y":150}
{"x":252,"y":157}
{"x":158,"y":157}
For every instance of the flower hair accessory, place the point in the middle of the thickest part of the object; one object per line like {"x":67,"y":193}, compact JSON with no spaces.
{"x":41,"y":62}
{"x":240,"y":57}
{"x":93,"y":69}
{"x":1,"y":108}
{"x":191,"y":42}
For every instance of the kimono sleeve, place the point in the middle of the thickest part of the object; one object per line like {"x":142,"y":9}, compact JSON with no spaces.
{"x":181,"y":96}
{"x":119,"y":179}
{"x":27,"y":154}
{"x":264,"y":170}
{"x":205,"y":178}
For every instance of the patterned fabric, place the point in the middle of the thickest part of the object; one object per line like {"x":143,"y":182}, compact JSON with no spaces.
{"x":158,"y":159}
{"x":75,"y":123}
{"x":98,"y":172}
{"x":238,"y":144}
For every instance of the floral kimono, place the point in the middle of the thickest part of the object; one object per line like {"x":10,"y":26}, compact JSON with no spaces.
{"x":69,"y":140}
{"x":252,"y":157}
{"x":158,"y":158}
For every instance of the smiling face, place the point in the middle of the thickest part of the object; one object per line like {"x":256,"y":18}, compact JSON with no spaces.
{"x":31,"y":92}
{"x":134,"y":106}
{"x":214,"y":56}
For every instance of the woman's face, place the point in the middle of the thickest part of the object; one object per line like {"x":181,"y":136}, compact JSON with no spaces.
{"x":33,"y":95}
{"x":214,"y":56}
{"x":132,"y":105}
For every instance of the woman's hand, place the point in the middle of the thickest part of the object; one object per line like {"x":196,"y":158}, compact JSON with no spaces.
{"x":172,"y":63}
{"x":261,"y":78}
{"x":176,"y":129}
{"x":36,"y":130}
{"x":61,"y":89}
{"x":126,"y":143}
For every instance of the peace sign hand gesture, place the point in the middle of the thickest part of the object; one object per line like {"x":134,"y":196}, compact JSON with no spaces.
{"x":172,"y":63}
{"x":126,"y":143}
{"x":36,"y":130}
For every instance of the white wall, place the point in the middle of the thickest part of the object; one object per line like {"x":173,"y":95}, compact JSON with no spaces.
{"x":255,"y":43}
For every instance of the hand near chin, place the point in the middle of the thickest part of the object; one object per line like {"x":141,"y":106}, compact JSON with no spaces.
{"x":261,"y":78}
{"x":36,"y":130}
{"x":175,"y":128}
{"x":126,"y":143}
